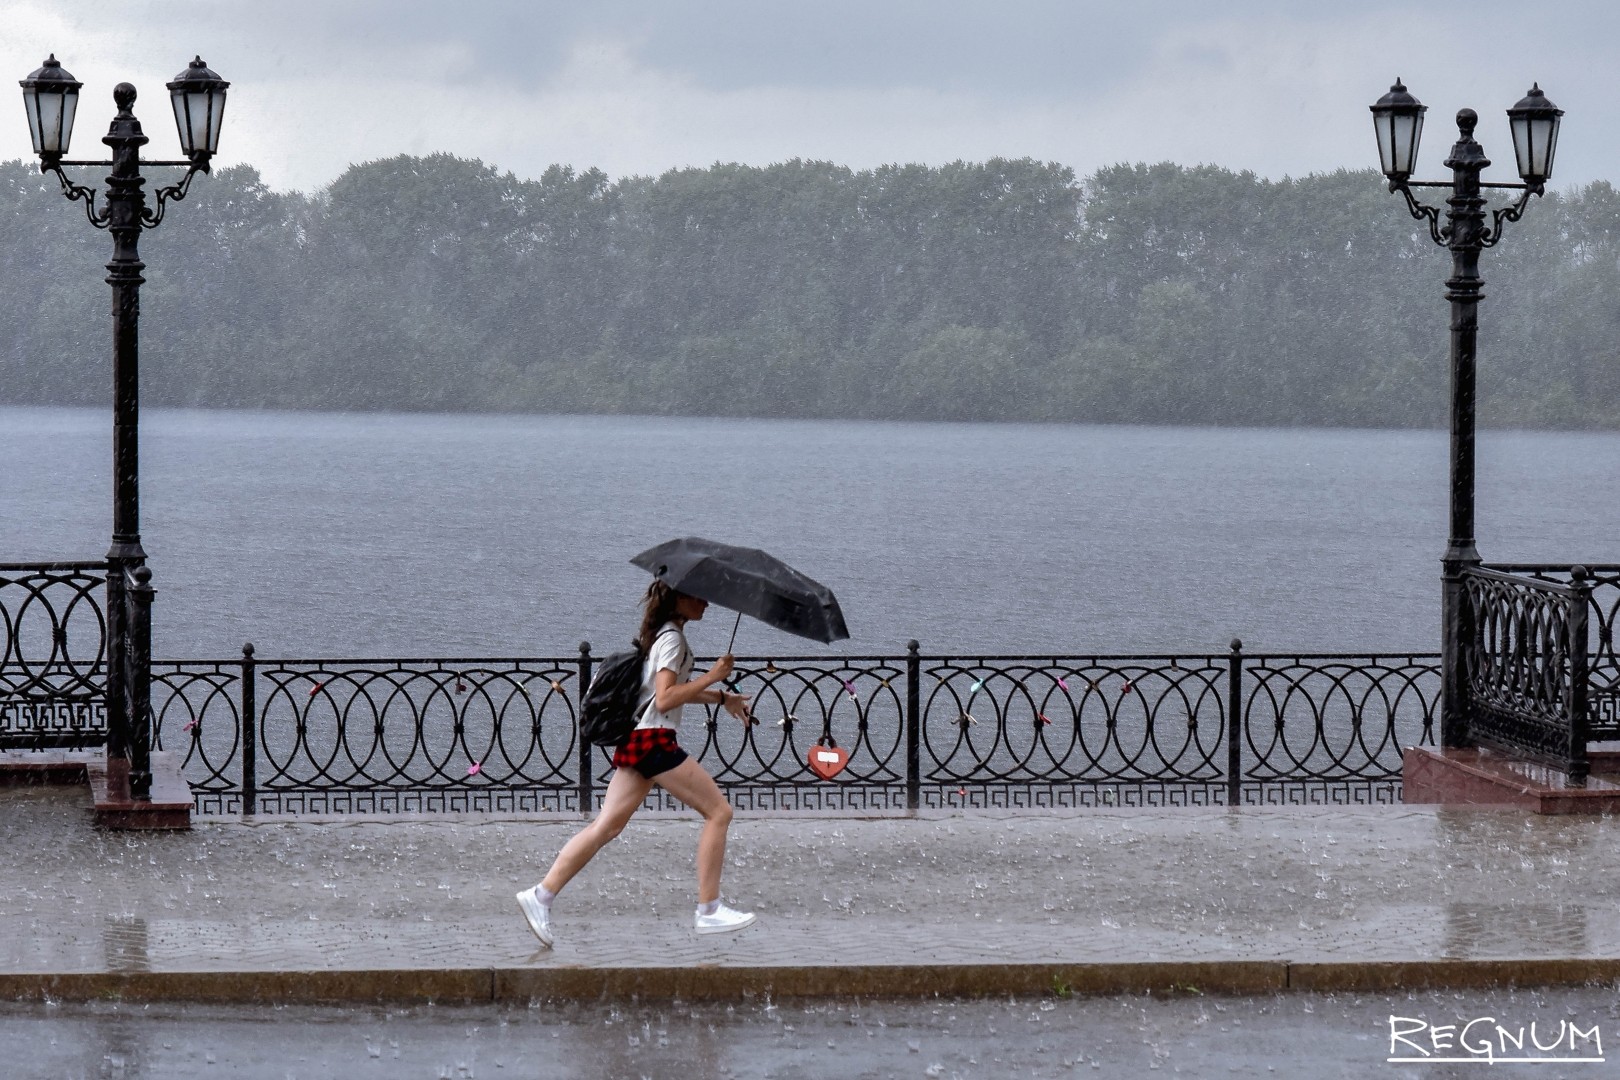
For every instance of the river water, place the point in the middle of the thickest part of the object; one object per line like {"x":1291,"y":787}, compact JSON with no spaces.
{"x":351,"y":535}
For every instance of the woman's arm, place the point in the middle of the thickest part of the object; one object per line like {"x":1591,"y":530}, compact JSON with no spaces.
{"x":669,"y":694}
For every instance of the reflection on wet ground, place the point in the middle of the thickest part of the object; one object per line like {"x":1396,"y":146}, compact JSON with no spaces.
{"x":1187,"y":1034}
{"x":125,"y":939}
{"x":1474,"y":929}
{"x":1331,"y":884}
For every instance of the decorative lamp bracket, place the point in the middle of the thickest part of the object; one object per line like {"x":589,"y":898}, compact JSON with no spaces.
{"x":1504,"y":214}
{"x":1441,"y":234}
{"x":173,"y":193}
{"x":102,"y":218}
{"x":78,"y":193}
{"x":1423,"y":212}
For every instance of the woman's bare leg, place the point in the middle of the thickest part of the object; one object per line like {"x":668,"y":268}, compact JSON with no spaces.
{"x":625,"y":794}
{"x":692,"y":784}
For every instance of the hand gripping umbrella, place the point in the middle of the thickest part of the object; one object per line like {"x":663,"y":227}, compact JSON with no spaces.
{"x":749,"y":582}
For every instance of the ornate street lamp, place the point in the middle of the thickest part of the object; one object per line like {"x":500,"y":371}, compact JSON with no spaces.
{"x":1398,"y":122}
{"x":198,"y":96}
{"x":1535,"y":136}
{"x":50,"y":96}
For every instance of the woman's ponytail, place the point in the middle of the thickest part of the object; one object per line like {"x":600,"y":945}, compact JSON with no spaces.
{"x":657,"y":609}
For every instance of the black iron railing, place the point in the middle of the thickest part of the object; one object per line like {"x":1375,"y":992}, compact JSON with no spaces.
{"x":1602,"y":582}
{"x":1522,"y":664}
{"x":53,"y":654}
{"x":1539,"y":660}
{"x":338,"y":736}
{"x":346,"y":736}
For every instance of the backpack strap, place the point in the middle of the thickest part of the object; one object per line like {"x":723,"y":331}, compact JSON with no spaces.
{"x":686,"y":650}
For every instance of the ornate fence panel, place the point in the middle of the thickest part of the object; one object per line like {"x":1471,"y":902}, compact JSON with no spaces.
{"x":388,"y":736}
{"x":197,"y":710}
{"x":1603,"y":709}
{"x":53,"y":652}
{"x":1018,"y":731}
{"x":1525,"y":660}
{"x":375,"y":736}
{"x":1325,"y":728}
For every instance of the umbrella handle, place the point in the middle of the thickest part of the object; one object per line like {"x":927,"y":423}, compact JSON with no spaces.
{"x":734,"y":626}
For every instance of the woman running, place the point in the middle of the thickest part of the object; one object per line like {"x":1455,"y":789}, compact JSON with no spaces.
{"x":651,"y":756}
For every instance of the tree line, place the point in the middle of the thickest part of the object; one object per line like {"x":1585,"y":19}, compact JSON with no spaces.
{"x":1002,"y":290}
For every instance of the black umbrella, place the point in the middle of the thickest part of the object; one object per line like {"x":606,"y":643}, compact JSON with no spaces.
{"x":749,"y":582}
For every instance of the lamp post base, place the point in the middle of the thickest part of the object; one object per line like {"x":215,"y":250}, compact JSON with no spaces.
{"x":1484,"y":777}
{"x":168,"y":808}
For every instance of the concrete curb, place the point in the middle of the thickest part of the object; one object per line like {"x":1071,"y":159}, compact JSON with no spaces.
{"x":884,"y":980}
{"x":527,"y":984}
{"x":253,"y":987}
{"x":1451,"y":974}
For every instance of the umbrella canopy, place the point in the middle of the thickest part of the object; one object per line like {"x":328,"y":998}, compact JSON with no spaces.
{"x":749,"y":582}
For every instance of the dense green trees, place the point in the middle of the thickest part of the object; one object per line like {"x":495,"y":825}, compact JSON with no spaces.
{"x":1003,"y":290}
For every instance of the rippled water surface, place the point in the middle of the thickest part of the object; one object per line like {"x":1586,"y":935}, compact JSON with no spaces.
{"x":432,"y":535}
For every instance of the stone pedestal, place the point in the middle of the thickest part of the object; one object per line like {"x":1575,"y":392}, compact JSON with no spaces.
{"x":170,"y":805}
{"x":1493,"y":778}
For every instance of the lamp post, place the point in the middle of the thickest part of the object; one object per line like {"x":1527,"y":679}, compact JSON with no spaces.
{"x":50,"y":96}
{"x":1398,"y":121}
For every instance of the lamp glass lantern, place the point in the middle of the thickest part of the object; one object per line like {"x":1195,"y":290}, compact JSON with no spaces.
{"x":198,"y":96}
{"x":1534,"y":121}
{"x":51,"y":97}
{"x":1398,"y":122}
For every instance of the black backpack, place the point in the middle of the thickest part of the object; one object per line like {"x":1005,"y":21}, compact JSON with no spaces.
{"x":608,"y":713}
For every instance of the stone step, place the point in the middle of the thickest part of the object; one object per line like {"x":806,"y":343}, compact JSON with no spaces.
{"x":169,"y":808}
{"x":1483,"y":777}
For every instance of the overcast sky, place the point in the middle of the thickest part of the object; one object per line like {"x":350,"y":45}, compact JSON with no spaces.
{"x":642,"y":86}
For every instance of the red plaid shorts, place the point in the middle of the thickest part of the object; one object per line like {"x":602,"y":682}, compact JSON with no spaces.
{"x":649,"y":751}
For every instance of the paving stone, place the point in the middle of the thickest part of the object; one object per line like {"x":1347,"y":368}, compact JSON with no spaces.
{"x":422,"y":908}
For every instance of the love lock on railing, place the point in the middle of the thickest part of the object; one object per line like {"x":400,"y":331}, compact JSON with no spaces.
{"x":827,"y":758}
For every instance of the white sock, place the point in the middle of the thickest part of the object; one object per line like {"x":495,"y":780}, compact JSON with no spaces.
{"x":710,"y":908}
{"x":545,"y":896}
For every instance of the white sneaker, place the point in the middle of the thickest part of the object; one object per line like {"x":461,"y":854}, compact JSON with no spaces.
{"x":538,"y":914}
{"x":724,"y":920}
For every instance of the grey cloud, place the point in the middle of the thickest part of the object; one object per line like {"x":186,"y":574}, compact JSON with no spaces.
{"x":1013,"y":48}
{"x":1023,"y":74}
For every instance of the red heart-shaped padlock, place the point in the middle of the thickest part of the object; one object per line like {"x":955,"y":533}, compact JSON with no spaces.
{"x":828,"y":761}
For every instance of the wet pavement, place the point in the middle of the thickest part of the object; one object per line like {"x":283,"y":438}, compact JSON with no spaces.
{"x":1253,"y":900}
{"x":1183,"y":1034}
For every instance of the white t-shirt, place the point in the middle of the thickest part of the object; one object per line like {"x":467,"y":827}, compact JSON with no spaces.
{"x":668,"y":651}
